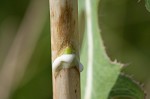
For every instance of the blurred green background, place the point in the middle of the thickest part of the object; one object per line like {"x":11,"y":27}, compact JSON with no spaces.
{"x":25,"y":67}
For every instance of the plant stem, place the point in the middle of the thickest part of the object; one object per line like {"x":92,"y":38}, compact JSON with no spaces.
{"x":64,"y":33}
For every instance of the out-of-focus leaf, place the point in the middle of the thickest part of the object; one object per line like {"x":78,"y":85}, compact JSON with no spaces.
{"x":147,"y":4}
{"x":100,"y":74}
{"x":126,"y":88}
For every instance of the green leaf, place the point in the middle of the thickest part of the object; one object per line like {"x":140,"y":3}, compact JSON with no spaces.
{"x":147,"y":4}
{"x":99,"y":79}
{"x":99,"y":74}
{"x":127,"y":88}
